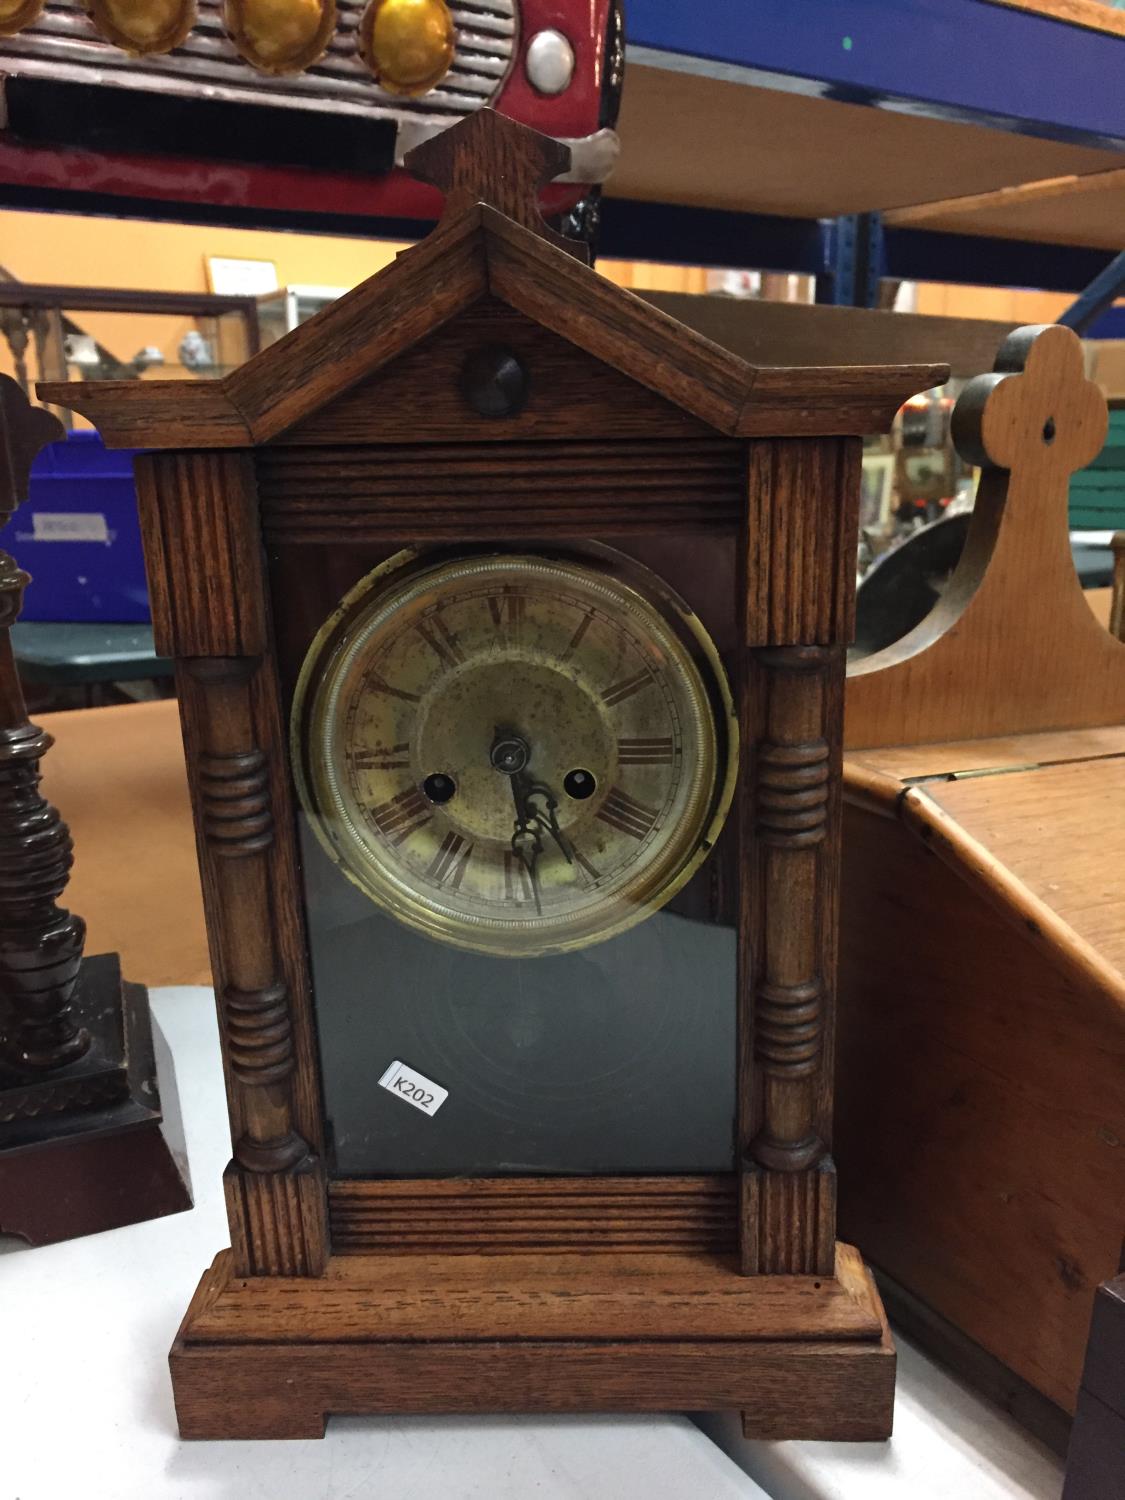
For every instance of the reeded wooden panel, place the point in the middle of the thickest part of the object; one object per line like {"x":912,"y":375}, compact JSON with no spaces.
{"x":452,"y":490}
{"x":518,"y":1215}
{"x":200,"y":532}
{"x":801,"y":541}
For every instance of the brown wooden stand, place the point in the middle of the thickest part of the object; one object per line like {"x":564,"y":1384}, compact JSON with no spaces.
{"x":75,"y":1167}
{"x":82,"y":1145}
{"x":273,"y":1357}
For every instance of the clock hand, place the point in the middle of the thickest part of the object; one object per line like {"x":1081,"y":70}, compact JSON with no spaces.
{"x":510,"y":754}
{"x":527,"y":842}
{"x":540,"y":789}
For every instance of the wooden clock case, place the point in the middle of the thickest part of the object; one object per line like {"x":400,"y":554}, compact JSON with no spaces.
{"x":547,"y":1294}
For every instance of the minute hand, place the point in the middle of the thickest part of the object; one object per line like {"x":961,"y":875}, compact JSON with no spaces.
{"x":527,"y":840}
{"x":548,"y":816}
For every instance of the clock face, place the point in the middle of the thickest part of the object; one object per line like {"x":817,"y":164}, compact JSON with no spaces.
{"x":515,"y":754}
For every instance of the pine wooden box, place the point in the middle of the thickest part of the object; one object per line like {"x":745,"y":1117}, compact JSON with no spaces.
{"x":981,"y":1102}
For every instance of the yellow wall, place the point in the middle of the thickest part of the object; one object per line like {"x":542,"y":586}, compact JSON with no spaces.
{"x":1003,"y":304}
{"x":60,"y":248}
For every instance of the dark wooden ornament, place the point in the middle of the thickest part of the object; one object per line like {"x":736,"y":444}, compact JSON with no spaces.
{"x":489,"y":386}
{"x":505,"y":169}
{"x":81,"y":1140}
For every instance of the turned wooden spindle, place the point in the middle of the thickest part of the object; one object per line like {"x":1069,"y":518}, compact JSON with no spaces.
{"x":40,"y":943}
{"x":792,"y":824}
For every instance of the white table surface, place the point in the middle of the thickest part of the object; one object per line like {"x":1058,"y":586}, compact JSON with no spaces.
{"x":86,"y":1403}
{"x":948,"y":1444}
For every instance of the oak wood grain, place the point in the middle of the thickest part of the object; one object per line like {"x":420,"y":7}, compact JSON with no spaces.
{"x":489,"y":157}
{"x":1005,"y":752}
{"x":1055,"y":841}
{"x":154,"y":413}
{"x":835,"y":1391}
{"x":417,"y":398}
{"x":505,"y":1215}
{"x":813,"y":334}
{"x":366,"y":428}
{"x":796,"y":593}
{"x":597,"y":487}
{"x":199,"y":525}
{"x":979,"y":1108}
{"x":434,"y":1298}
{"x":819,"y":1387}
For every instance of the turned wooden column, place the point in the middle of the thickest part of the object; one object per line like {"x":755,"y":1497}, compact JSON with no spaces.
{"x":791,"y":824}
{"x":40,"y":943}
{"x":799,"y":616}
{"x":238,"y":832}
{"x":235,"y":747}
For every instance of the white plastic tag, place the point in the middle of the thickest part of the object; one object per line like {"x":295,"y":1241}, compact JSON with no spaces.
{"x":68,"y":526}
{"x":414,"y":1087}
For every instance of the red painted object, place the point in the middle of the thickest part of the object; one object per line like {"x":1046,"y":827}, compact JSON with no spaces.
{"x":65,"y":172}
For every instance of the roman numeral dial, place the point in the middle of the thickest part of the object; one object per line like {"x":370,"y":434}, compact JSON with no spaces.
{"x":398,"y":817}
{"x":647,"y":750}
{"x":512,"y":753}
{"x":617,"y":692}
{"x":507,"y":613}
{"x":627,"y":814}
{"x":448,"y":865}
{"x":394,"y":758}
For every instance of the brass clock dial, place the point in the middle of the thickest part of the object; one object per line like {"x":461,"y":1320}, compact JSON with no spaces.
{"x":512,"y":753}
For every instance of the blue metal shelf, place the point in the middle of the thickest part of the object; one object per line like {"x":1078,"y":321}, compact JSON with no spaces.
{"x":716,"y":237}
{"x":967,"y":60}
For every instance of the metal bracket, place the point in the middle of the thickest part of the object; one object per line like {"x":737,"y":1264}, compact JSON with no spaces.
{"x":1098,"y":297}
{"x":854,"y":261}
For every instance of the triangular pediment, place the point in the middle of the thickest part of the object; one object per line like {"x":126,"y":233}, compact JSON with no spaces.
{"x":419,"y":396}
{"x":484,"y":258}
{"x":479,"y":254}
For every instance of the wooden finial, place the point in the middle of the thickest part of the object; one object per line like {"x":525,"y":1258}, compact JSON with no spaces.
{"x":1037,"y":414}
{"x":488,"y":158}
{"x":1012,"y":646}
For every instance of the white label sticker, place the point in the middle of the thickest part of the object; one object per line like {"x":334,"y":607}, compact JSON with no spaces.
{"x":68,"y":526}
{"x":416,"y":1089}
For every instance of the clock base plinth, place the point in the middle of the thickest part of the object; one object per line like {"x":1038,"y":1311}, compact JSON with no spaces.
{"x":800,"y":1357}
{"x":98,"y":1144}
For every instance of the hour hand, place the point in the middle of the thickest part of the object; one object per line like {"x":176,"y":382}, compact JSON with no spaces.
{"x":549,"y":815}
{"x":527,"y":844}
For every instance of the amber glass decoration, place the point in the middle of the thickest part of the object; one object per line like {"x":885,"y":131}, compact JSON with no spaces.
{"x":280,"y":36}
{"x":143,"y":27}
{"x":407,"y":44}
{"x":16,"y":14}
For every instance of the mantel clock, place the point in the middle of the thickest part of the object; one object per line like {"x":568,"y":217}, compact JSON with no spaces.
{"x":509,"y":618}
